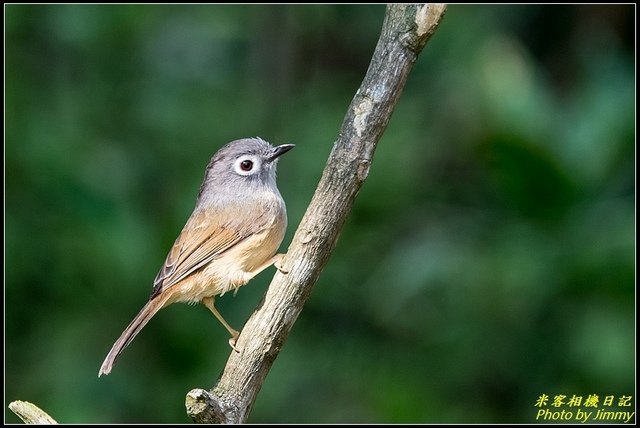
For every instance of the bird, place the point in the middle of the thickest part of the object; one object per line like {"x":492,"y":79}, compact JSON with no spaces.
{"x":236,"y":227}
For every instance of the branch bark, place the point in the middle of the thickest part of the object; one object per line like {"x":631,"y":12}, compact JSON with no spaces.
{"x":405,"y":31}
{"x":31,"y":414}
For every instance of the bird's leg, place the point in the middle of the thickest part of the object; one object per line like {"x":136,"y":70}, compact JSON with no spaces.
{"x":275,"y":260}
{"x":209,"y":303}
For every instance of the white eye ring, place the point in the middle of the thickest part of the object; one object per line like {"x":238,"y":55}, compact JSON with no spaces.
{"x":246,"y":165}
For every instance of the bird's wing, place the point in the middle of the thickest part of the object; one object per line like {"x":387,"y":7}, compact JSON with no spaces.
{"x":207,"y":234}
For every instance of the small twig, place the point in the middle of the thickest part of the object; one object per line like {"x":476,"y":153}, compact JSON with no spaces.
{"x":30,"y":413}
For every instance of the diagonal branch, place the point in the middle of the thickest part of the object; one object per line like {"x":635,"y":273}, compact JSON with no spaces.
{"x":31,"y":414}
{"x":405,"y":31}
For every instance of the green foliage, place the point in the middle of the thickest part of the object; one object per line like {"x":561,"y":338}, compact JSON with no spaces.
{"x":489,"y":258}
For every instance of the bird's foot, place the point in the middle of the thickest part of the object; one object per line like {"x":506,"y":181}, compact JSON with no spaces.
{"x":232,"y":341}
{"x":278,"y":264}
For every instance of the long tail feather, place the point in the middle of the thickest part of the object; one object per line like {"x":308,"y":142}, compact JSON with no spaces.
{"x":143,"y":317}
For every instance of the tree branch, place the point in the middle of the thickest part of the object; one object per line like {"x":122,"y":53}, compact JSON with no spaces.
{"x":405,"y":31}
{"x":30,"y":413}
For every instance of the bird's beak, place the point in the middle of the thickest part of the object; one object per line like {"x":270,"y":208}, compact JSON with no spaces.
{"x":280,"y":150}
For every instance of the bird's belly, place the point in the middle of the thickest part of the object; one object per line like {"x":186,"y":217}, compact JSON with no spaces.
{"x":232,"y":269}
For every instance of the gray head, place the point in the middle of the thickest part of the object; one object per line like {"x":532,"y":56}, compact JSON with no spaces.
{"x":242,"y":166}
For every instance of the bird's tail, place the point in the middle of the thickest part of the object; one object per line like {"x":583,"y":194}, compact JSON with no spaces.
{"x":143,"y":317}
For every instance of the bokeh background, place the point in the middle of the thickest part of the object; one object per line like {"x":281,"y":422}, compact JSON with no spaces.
{"x":489,"y":258}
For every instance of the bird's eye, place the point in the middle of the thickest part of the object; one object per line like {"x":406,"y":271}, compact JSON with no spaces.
{"x":247,"y":165}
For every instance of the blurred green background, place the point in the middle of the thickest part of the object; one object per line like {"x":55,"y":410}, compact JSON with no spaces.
{"x":489,"y":258}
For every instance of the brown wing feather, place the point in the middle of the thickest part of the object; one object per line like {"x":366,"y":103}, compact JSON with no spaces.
{"x":207,"y":234}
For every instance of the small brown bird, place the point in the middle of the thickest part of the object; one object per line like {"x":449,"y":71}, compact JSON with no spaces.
{"x":233,"y":234}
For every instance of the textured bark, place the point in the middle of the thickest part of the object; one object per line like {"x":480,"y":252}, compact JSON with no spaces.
{"x":30,"y":413}
{"x":405,"y":31}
